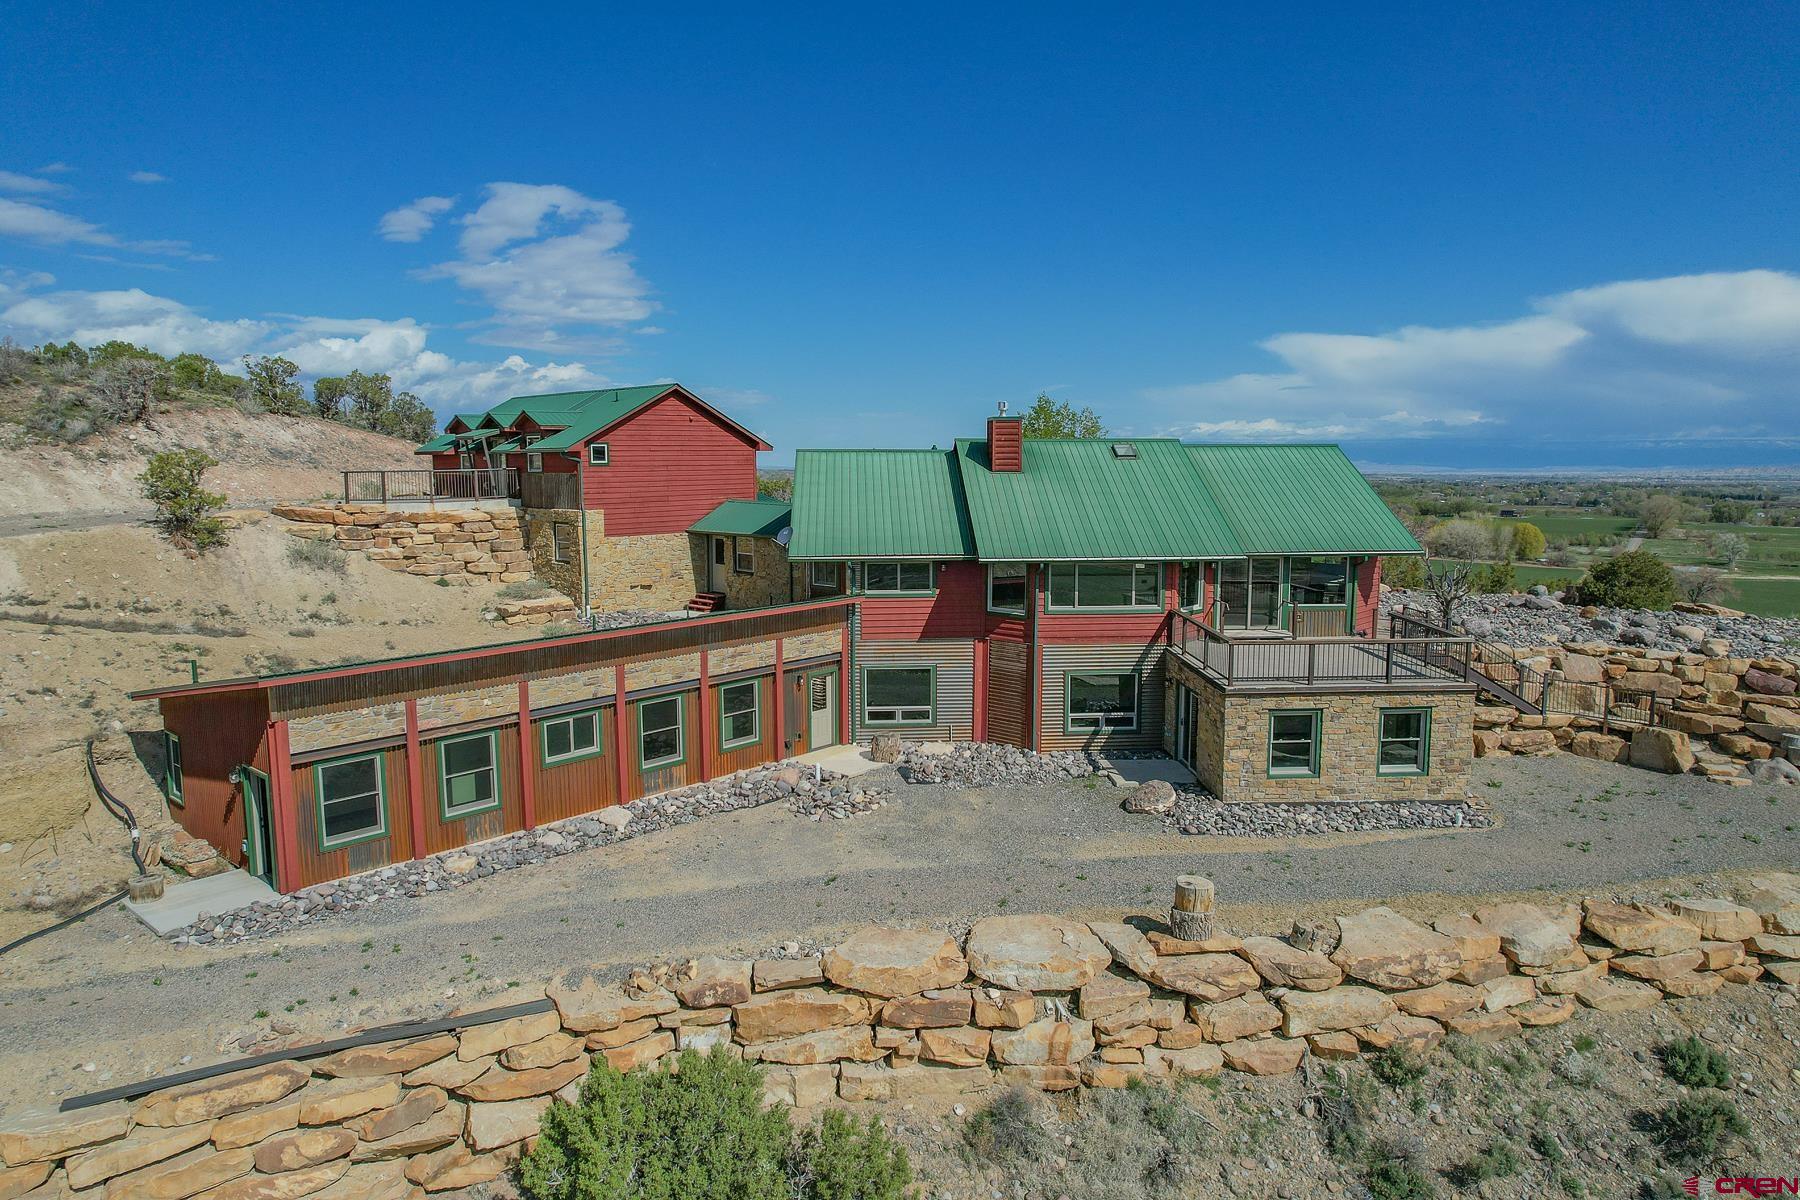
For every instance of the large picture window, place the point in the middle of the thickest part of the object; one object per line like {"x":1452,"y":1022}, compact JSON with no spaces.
{"x":899,"y":695}
{"x":660,"y":736}
{"x":1106,"y":585}
{"x":172,"y":768}
{"x":1294,"y":742}
{"x":1250,"y":592}
{"x":351,"y":801}
{"x":1101,"y":700}
{"x":567,"y":738}
{"x":1006,"y":588}
{"x":1405,"y":742}
{"x":740,"y":714}
{"x":1318,"y":580}
{"x":897,"y":578}
{"x":468,"y":774}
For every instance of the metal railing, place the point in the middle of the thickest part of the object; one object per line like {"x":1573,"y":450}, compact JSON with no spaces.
{"x":1320,"y":660}
{"x":1318,"y":621}
{"x":472,"y":483}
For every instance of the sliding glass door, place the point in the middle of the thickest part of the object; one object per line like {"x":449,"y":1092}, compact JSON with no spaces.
{"x":1250,"y":592}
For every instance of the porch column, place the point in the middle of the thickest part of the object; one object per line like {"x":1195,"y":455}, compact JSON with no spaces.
{"x":844,"y":685}
{"x":978,"y":728}
{"x":415,"y":780}
{"x":286,"y":819}
{"x":781,"y":746}
{"x":703,"y":717}
{"x":527,"y":784}
{"x":621,"y":719}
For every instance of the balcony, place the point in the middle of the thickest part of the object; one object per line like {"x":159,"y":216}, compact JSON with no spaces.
{"x":427,"y":488}
{"x":1416,"y":656}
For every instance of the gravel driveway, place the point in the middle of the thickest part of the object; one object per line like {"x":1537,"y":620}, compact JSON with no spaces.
{"x":106,"y":993}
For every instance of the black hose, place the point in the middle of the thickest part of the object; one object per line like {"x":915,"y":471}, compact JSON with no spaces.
{"x":63,"y":924}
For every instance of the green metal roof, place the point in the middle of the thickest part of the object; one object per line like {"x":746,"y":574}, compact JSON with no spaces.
{"x":879,"y":504}
{"x":441,"y":443}
{"x":1079,"y":499}
{"x":746,"y":518}
{"x":1298,"y":499}
{"x":577,"y":416}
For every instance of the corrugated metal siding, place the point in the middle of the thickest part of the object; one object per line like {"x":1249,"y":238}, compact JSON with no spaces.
{"x":1284,"y":499}
{"x":959,"y":610}
{"x":1146,"y":660}
{"x":639,"y":782}
{"x":1009,"y":693}
{"x":955,"y":663}
{"x":671,"y":464}
{"x":218,"y":735}
{"x":569,"y":789}
{"x":441,"y":835}
{"x":319,"y":866}
{"x":741,"y":758}
{"x":879,"y":503}
{"x":1076,"y":499}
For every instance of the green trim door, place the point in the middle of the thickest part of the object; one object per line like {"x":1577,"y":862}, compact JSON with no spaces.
{"x":259,"y":839}
{"x":822,"y":708}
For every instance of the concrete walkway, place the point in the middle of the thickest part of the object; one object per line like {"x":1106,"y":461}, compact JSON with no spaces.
{"x":182,"y":902}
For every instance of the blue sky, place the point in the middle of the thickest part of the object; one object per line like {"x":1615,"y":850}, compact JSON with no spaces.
{"x":1525,"y":236}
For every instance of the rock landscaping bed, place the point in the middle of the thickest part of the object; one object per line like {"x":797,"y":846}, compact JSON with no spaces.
{"x":1200,"y":813}
{"x":986,"y":764}
{"x":827,"y":795}
{"x":1539,"y":618}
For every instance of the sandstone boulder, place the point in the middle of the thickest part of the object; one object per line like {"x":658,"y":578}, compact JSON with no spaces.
{"x":641,"y":1053}
{"x":210,"y":1098}
{"x":585,"y":1002}
{"x":1529,"y":935}
{"x":1631,"y":928}
{"x":965,"y":1046}
{"x":820,"y":1046}
{"x":439,"y":1128}
{"x":1604,"y":746}
{"x":38,"y":1136}
{"x":894,"y":962}
{"x":1546,"y":1010}
{"x":182,"y":1176}
{"x":1665,"y":750}
{"x":1767,"y":683}
{"x":414,"y":1109}
{"x":773,"y":974}
{"x":1618,"y":995}
{"x":1210,"y":977}
{"x":1282,"y":965}
{"x":1474,"y":941}
{"x":492,"y":1126}
{"x":1439,"y":1001}
{"x":786,"y":1014}
{"x":481,"y":1040}
{"x":1420,"y":1035}
{"x":1200,"y":1062}
{"x":997,"y":1009}
{"x":498,"y":1083}
{"x":1107,"y":993}
{"x":329,"y":1101}
{"x":1232,"y":1020}
{"x":800,"y":1086}
{"x":545,"y":1052}
{"x":1657,"y":966}
{"x":1381,"y":947}
{"x":1348,"y":1007}
{"x":1264,"y":1056}
{"x":140,"y":1149}
{"x":713,"y":982}
{"x":303,"y":1148}
{"x":1718,"y":919}
{"x":387,"y":1058}
{"x":1157,"y":796}
{"x":1129,"y":946}
{"x":1045,"y":1042}
{"x":1484,"y":1026}
{"x":1035,"y":953}
{"x":941,"y":1009}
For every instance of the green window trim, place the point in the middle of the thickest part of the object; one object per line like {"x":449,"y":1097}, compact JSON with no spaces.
{"x":381,"y":807}
{"x":931,"y":713}
{"x":597,"y":750}
{"x":492,"y":737}
{"x":172,"y":769}
{"x":900,"y":568}
{"x":1071,"y":571}
{"x":1100,"y":724}
{"x":680,"y":727}
{"x":754,"y":712}
{"x":1422,"y":763}
{"x":1316,"y":739}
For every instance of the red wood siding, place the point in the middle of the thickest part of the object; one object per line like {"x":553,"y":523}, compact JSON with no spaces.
{"x":568,"y":789}
{"x":318,"y":866}
{"x":671,"y":464}
{"x":1075,"y":628}
{"x":218,"y":735}
{"x":959,"y":610}
{"x":1006,"y":444}
{"x":1368,"y":595}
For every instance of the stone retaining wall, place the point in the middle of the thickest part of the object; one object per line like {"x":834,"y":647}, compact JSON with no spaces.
{"x":1717,"y":715}
{"x":899,"y":1014}
{"x":459,"y":546}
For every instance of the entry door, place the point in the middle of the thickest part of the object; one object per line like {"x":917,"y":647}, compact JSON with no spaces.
{"x":821,"y":704}
{"x":1184,"y":725}
{"x":1250,"y":592}
{"x":796,"y":716}
{"x":259,"y":840}
{"x":715,"y":567}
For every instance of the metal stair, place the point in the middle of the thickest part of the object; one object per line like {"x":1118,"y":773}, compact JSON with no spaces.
{"x":706,"y":602}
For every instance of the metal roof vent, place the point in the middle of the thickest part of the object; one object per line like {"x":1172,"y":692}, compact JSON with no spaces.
{"x":1124,"y":449}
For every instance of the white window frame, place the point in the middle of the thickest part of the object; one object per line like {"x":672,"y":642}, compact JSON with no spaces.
{"x":680,"y":728}
{"x":896,"y":715}
{"x":1074,"y":722}
{"x":172,"y":778}
{"x":574,"y":752}
{"x":743,"y":556}
{"x":1422,"y":760}
{"x":452,"y":812}
{"x":1198,"y":567}
{"x":560,"y":553}
{"x":1010,"y":570}
{"x":599,"y":454}
{"x":754,"y":711}
{"x":534,"y":462}
{"x":319,"y":801}
{"x":900,"y":566}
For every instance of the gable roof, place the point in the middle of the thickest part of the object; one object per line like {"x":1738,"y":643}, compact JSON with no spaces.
{"x":746,"y":518}
{"x":578,"y":416}
{"x":1078,"y":499}
{"x":879,"y":504}
{"x":1299,"y":499}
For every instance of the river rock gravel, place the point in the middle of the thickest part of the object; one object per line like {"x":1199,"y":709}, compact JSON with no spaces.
{"x":1540,"y":618}
{"x":1197,"y":812}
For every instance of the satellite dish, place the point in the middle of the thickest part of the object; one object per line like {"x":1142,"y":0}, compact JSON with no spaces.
{"x":785,"y":536}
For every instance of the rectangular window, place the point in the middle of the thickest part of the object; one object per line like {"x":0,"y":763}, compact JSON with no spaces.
{"x":743,"y":555}
{"x":1317,"y":580}
{"x":823,"y":578}
{"x":897,"y":578}
{"x":1101,"y":700}
{"x":598,"y":454}
{"x":570,"y":737}
{"x":899,"y":695}
{"x":562,"y":541}
{"x":172,"y":768}
{"x":468,"y":774}
{"x":1106,"y":585}
{"x":1193,"y":585}
{"x":465,"y":460}
{"x":534,"y":462}
{"x":1294,"y":742}
{"x":659,"y":732}
{"x":1006,"y":588}
{"x":349,"y":794}
{"x":1405,"y":742}
{"x":740,"y":714}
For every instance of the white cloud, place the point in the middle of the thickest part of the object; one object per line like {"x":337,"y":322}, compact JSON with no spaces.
{"x":548,"y":260}
{"x":54,"y":168}
{"x":465,"y":386}
{"x":14,"y":284}
{"x":147,"y":177}
{"x":133,"y":315}
{"x":12,"y":181}
{"x":410,"y":222}
{"x":328,"y":346}
{"x":39,"y":223}
{"x":1638,"y":360}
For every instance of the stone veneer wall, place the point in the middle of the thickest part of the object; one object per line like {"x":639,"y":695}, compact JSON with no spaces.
{"x":897,"y":1014}
{"x":459,"y":546}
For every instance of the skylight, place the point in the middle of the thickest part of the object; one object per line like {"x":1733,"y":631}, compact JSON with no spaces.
{"x":1124,"y":449}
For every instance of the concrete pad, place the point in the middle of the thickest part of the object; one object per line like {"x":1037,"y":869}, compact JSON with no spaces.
{"x":216,"y":894}
{"x":845,"y":760}
{"x":1143,"y":770}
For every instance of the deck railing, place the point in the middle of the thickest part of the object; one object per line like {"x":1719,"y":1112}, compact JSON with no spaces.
{"x":1260,"y":662}
{"x":475,"y":483}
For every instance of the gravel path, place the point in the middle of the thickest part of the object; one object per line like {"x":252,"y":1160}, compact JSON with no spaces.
{"x":106,"y":993}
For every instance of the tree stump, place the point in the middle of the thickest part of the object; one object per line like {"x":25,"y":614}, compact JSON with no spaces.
{"x":1191,"y":916}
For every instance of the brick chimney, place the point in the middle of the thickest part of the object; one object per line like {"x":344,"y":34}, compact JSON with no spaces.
{"x":1006,"y":442}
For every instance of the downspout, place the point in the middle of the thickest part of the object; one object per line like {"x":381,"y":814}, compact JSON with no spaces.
{"x":587,"y":611}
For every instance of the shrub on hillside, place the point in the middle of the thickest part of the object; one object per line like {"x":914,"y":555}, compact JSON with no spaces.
{"x":318,"y":556}
{"x":1692,"y":1063}
{"x":1634,"y":579}
{"x":524,"y":589}
{"x":1407,"y":573}
{"x":185,"y":512}
{"x":1495,"y":577}
{"x":1695,"y":1129}
{"x":699,"y":1131}
{"x":1463,"y":539}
